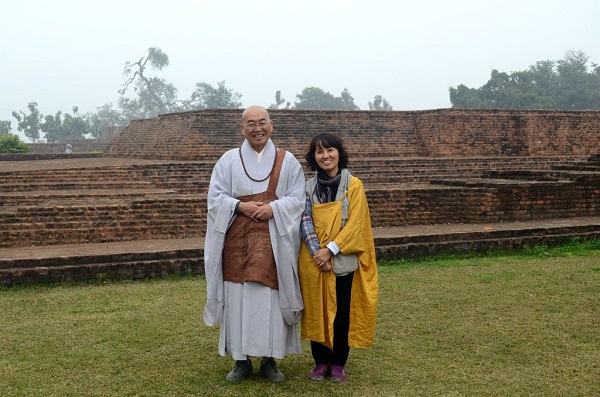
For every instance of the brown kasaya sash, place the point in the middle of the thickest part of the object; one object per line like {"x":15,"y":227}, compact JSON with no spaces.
{"x":247,"y":253}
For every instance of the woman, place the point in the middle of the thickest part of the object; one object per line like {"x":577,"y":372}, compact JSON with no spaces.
{"x":337,"y":266}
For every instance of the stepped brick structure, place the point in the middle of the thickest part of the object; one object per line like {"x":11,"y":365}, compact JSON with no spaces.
{"x":428,"y":133}
{"x":437,"y":181}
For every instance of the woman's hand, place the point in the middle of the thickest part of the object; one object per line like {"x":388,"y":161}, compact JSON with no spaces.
{"x":324,"y":266}
{"x":323,"y":259}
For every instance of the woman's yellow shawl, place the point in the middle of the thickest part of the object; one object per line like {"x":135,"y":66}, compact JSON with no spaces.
{"x":318,"y":288}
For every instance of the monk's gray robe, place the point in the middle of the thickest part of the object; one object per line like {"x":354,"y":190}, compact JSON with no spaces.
{"x":255,"y":320}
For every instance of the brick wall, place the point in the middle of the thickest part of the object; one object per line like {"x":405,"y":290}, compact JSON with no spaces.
{"x":79,"y":147}
{"x":45,"y":156}
{"x":486,"y":200}
{"x":206,"y":134}
{"x":452,"y":132}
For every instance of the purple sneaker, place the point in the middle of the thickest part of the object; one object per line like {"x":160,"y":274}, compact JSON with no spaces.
{"x":337,"y":374}
{"x":319,"y":372}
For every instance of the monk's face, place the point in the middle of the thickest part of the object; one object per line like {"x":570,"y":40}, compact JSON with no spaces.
{"x":257,"y":127}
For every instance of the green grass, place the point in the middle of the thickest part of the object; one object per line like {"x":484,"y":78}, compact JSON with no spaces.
{"x":524,"y":324}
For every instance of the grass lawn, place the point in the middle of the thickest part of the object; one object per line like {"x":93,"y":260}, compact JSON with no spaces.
{"x":513,"y":325}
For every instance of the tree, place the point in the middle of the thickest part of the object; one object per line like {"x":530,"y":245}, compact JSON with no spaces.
{"x":543,"y":76}
{"x":52,"y":127}
{"x":575,"y":83}
{"x":208,"y":97}
{"x":314,"y":98}
{"x":596,"y":78}
{"x":29,"y":123}
{"x":279,"y":101}
{"x":347,"y":101}
{"x":59,"y":127}
{"x":565,"y":84}
{"x":11,"y":143}
{"x":62,"y":128}
{"x":105,"y":116}
{"x":5,"y":128}
{"x":145,"y":105}
{"x":75,"y":126}
{"x":515,"y":91}
{"x":154,"y":95}
{"x":379,"y":103}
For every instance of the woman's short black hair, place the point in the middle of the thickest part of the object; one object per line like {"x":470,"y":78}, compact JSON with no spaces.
{"x":326,"y":140}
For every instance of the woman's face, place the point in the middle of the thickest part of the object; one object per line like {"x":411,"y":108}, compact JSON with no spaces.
{"x":327,"y":159}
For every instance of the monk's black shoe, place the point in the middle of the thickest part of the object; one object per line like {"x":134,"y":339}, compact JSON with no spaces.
{"x":241,"y":370}
{"x":268,"y":369}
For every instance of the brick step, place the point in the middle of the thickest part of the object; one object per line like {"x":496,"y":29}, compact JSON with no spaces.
{"x":192,"y":169}
{"x":108,"y":184}
{"x":192,"y":186}
{"x":484,"y":231}
{"x":128,"y":170}
{"x":100,"y":205}
{"x":51,"y":177}
{"x":106,"y":173}
{"x":491,"y":183}
{"x":425,"y":240}
{"x":73,"y":183}
{"x":553,"y":174}
{"x":508,"y":243}
{"x":419,"y":162}
{"x":48,"y":237}
{"x":422,"y":173}
{"x":530,"y":175}
{"x":17,"y":221}
{"x":107,"y":206}
{"x":371,"y":180}
{"x":87,"y":262}
{"x":86,"y":254}
{"x":393,"y":202}
{"x":579,"y":167}
{"x":47,"y":156}
{"x":151,"y":221}
{"x":405,"y":204}
{"x":160,"y":257}
{"x":75,"y":197}
{"x":72,"y":171}
{"x":146,"y":201}
{"x":190,"y":180}
{"x":83,"y":176}
{"x":194,"y":182}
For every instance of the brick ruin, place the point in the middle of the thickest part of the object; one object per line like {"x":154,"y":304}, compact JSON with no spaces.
{"x":434,"y":170}
{"x":429,"y":133}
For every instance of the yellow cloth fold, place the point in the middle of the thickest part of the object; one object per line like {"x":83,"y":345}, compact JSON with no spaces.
{"x":318,"y":288}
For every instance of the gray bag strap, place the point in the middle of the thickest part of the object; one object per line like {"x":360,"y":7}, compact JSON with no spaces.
{"x":344,"y":183}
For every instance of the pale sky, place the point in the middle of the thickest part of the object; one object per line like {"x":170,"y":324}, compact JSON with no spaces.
{"x":69,"y":53}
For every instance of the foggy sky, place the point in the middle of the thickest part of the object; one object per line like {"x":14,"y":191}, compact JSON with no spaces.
{"x":69,"y":53}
